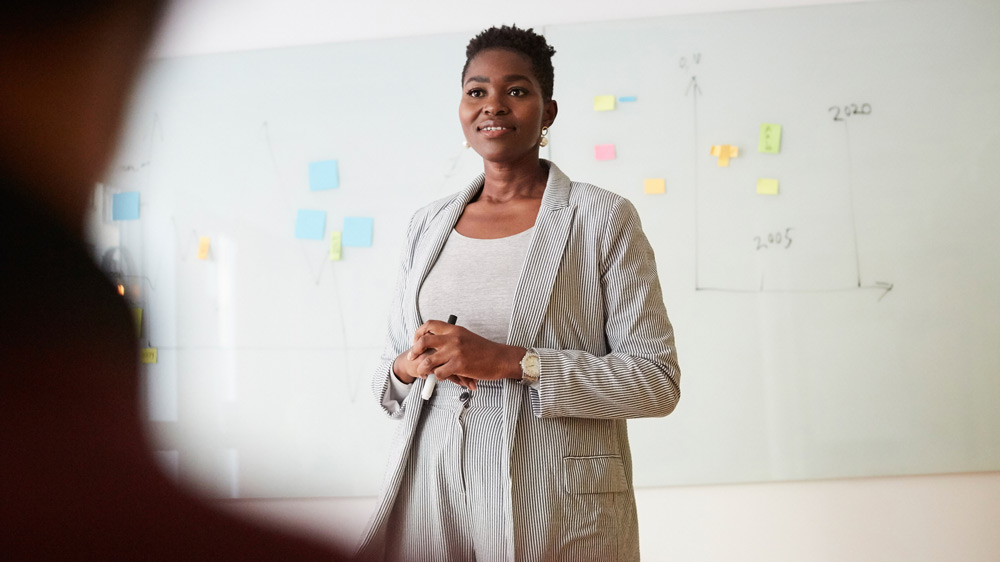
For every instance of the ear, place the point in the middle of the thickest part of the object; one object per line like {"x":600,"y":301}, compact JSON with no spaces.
{"x":549,"y":113}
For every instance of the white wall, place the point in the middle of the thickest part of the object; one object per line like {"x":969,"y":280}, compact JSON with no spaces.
{"x":916,"y":519}
{"x":210,"y":26}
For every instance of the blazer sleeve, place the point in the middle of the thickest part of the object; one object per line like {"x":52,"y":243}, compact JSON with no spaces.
{"x":639,"y":375}
{"x":397,"y":339}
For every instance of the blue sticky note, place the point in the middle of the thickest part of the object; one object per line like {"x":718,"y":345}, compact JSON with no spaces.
{"x":627,"y":98}
{"x":125,"y":206}
{"x":358,"y":231}
{"x":323,"y":175}
{"x":310,"y":225}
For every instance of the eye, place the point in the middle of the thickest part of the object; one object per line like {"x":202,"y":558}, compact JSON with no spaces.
{"x":475,"y":93}
{"x":518,"y":92}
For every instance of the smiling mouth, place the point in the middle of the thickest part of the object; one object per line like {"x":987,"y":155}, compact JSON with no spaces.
{"x":494,"y":128}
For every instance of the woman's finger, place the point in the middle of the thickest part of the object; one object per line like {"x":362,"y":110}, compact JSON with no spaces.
{"x":431,"y":327}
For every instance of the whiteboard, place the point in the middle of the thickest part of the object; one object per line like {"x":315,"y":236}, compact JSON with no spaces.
{"x":843,"y":327}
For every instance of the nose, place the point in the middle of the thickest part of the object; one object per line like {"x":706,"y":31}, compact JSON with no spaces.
{"x":494,"y":105}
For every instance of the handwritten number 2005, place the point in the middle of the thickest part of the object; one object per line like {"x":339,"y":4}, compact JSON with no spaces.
{"x":842,"y":113}
{"x":774,"y":239}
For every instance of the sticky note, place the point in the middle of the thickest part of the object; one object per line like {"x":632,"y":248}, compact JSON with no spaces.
{"x":770,"y":139}
{"x":125,"y":206}
{"x":358,"y":231}
{"x":137,"y":316}
{"x":324,"y":175}
{"x":724,"y":152}
{"x":310,"y":225}
{"x":655,"y":185}
{"x":767,"y":186}
{"x":624,"y":99}
{"x":604,"y":152}
{"x":604,"y":103}
{"x":335,"y":246}
{"x":148,"y":355}
{"x":204,"y":245}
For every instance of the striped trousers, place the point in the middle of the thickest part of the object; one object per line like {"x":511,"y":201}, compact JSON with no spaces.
{"x":451,"y":502}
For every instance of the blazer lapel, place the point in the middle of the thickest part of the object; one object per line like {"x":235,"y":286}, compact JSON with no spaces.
{"x":534,"y":285}
{"x":432,"y":240}
{"x":541,"y":264}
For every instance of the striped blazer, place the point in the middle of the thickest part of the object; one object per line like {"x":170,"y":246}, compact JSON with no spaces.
{"x":588,"y":300}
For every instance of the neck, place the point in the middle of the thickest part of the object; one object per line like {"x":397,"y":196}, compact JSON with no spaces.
{"x":506,"y":181}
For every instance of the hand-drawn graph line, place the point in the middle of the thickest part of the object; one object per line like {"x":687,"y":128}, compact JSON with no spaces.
{"x":145,"y":163}
{"x":693,"y":89}
{"x":315,"y":261}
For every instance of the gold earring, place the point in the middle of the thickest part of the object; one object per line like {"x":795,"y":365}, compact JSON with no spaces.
{"x":466,"y":144}
{"x":544,"y":141}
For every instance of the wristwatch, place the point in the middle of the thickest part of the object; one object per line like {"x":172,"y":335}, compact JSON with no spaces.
{"x":530,"y":367}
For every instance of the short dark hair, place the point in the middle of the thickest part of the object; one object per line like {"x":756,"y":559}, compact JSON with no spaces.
{"x":524,"y":41}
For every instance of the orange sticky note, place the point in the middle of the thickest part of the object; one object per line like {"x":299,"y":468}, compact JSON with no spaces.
{"x":204,"y":245}
{"x":724,"y":152}
{"x":604,"y":152}
{"x":767,"y":186}
{"x":655,"y":185}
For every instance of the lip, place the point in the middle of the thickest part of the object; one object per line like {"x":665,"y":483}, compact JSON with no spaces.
{"x":493,"y":129}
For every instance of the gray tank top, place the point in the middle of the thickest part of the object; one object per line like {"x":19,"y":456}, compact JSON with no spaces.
{"x":475,"y":279}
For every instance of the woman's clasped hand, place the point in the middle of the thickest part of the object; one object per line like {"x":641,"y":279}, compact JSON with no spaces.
{"x":454,"y":353}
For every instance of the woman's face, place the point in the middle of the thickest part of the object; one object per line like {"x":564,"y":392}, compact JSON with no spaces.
{"x":503,"y":110}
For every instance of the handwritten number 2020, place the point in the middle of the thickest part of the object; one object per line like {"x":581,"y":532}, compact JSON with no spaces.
{"x":842,"y":113}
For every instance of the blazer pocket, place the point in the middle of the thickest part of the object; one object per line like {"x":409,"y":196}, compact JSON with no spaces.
{"x":595,"y":474}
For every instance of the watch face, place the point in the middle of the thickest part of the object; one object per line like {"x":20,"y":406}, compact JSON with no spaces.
{"x":530,"y":367}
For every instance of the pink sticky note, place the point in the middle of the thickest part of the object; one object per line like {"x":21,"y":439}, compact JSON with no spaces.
{"x":604,"y":152}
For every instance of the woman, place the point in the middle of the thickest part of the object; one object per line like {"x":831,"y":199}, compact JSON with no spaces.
{"x":521,"y":453}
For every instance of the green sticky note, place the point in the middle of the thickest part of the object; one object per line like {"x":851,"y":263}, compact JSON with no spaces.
{"x":137,"y":316}
{"x":336,"y":248}
{"x":767,"y":186}
{"x":148,"y":355}
{"x":604,"y":103}
{"x":770,"y":139}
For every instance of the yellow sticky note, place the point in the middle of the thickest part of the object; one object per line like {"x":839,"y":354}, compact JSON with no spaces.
{"x":770,"y":139}
{"x":335,"y":245}
{"x":604,"y":103}
{"x":767,"y":186}
{"x":724,"y":152}
{"x":137,"y":315}
{"x":204,"y":245}
{"x":655,"y":185}
{"x":148,"y":355}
